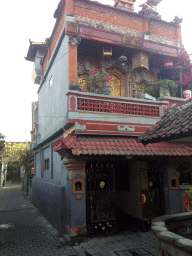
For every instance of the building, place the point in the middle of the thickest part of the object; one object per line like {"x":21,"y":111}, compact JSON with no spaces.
{"x":175,"y":126}
{"x":90,"y":174}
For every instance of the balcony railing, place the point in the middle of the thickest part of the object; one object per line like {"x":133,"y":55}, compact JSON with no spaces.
{"x":105,"y":114}
{"x":90,"y":102}
{"x":115,"y":107}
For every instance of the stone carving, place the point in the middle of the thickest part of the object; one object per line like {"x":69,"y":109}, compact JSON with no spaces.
{"x":149,"y":12}
{"x":140,"y":76}
{"x":85,"y":67}
{"x":110,"y":63}
{"x":80,"y":127}
{"x":107,"y":64}
{"x":177,"y":20}
{"x":74,"y":40}
{"x":126,"y":128}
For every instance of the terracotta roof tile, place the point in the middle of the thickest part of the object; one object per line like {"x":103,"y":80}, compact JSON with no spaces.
{"x":176,"y":123}
{"x":83,"y":144}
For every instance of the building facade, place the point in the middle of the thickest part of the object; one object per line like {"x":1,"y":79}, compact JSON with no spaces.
{"x":90,"y":174}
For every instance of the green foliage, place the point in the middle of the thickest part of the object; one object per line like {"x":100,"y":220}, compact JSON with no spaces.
{"x":189,"y":190}
{"x":2,"y":141}
{"x":17,"y":154}
{"x":154,"y":88}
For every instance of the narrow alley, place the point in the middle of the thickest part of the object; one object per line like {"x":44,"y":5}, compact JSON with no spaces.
{"x":24,"y":231}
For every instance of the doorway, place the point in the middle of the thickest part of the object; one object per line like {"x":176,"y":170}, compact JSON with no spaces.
{"x":100,"y":198}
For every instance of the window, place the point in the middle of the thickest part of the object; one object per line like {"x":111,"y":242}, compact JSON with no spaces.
{"x":46,"y":164}
{"x":50,"y":81}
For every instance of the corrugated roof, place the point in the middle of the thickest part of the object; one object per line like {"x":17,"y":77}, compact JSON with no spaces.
{"x":112,"y":145}
{"x":175,"y":124}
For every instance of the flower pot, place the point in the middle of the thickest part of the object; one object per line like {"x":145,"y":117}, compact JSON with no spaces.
{"x":106,"y":89}
{"x":75,"y":87}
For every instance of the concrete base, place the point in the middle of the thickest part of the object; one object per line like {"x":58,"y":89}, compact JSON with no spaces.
{"x":168,"y":242}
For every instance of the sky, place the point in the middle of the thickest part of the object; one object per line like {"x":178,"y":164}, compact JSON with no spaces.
{"x":24,"y":19}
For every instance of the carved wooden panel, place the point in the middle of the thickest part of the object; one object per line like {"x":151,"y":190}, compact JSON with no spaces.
{"x":83,"y":82}
{"x":117,"y":83}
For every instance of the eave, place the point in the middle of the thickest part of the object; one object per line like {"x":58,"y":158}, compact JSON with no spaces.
{"x":34,"y":46}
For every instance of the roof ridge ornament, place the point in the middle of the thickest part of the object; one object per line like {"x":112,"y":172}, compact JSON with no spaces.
{"x":125,"y":4}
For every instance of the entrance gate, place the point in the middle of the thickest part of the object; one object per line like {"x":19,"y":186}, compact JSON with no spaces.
{"x":101,"y":204}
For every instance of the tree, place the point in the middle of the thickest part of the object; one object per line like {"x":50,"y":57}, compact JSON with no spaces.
{"x":2,"y":141}
{"x":17,"y":154}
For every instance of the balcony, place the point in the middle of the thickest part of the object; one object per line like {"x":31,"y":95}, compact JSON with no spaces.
{"x":103,"y":114}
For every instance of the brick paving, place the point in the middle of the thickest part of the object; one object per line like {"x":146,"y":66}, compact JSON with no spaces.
{"x":24,"y":231}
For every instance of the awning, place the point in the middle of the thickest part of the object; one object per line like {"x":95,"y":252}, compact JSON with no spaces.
{"x":113,"y":145}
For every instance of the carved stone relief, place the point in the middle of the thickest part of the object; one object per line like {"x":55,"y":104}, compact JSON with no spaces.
{"x":140,"y":76}
{"x":85,"y":67}
{"x":111,"y":63}
{"x":74,"y":40}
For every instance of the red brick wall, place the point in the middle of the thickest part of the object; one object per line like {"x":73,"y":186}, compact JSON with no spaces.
{"x":91,"y":11}
{"x":54,"y":38}
{"x":166,"y":31}
{"x":94,"y":12}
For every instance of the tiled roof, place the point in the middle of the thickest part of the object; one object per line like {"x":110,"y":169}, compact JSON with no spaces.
{"x":175,"y":124}
{"x":111,"y":145}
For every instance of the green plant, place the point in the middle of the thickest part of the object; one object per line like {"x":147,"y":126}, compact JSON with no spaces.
{"x":142,"y":88}
{"x":2,"y":141}
{"x":96,"y":80}
{"x":188,"y":190}
{"x":154,"y":88}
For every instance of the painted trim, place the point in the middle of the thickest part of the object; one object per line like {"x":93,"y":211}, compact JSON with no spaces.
{"x":145,"y":120}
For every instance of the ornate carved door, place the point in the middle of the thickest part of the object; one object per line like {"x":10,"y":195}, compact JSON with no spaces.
{"x":101,"y":198}
{"x":117,"y":83}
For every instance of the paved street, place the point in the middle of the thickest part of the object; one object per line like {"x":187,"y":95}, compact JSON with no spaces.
{"x":24,"y":231}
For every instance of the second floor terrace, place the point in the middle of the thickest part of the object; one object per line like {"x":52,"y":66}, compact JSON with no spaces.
{"x":105,"y":114}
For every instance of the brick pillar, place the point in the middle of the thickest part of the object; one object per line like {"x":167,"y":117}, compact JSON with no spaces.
{"x":75,"y":197}
{"x":145,"y":25}
{"x":178,"y":33}
{"x":69,"y":6}
{"x":72,"y":56}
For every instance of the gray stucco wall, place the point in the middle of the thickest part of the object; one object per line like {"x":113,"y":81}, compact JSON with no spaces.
{"x":53,"y":100}
{"x":48,"y":197}
{"x":56,"y":166}
{"x":77,"y":207}
{"x":37,"y":164}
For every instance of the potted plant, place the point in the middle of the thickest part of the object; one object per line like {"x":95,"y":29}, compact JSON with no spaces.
{"x":105,"y":88}
{"x":163,"y":87}
{"x":98,"y":81}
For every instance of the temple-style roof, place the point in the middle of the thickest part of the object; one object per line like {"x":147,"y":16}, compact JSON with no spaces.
{"x":106,"y":145}
{"x":34,"y":46}
{"x":175,"y":124}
